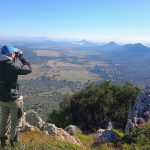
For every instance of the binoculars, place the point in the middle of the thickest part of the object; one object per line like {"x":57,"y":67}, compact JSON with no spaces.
{"x":18,"y":54}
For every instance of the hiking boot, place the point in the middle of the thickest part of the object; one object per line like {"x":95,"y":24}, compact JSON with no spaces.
{"x":4,"y":141}
{"x":15,"y":140}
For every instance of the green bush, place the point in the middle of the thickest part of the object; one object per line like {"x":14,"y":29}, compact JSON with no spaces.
{"x":141,"y":136}
{"x":90,"y":107}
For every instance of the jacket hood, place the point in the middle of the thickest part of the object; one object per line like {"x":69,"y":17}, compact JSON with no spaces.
{"x":4,"y":57}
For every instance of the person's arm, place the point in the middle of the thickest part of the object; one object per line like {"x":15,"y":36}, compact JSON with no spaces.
{"x":25,"y":68}
{"x":24,"y":61}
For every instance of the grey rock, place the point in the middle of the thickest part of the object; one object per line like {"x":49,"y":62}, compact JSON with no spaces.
{"x":72,"y":129}
{"x":63,"y":135}
{"x":50,"y":128}
{"x":103,"y":136}
{"x":140,"y":113}
{"x":25,"y":126}
{"x":34,"y":119}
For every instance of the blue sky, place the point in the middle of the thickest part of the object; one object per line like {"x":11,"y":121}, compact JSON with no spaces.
{"x":125,"y":20}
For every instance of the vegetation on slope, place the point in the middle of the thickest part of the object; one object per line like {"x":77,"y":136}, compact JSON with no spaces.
{"x":37,"y":140}
{"x":138,"y":140}
{"x":140,"y":136}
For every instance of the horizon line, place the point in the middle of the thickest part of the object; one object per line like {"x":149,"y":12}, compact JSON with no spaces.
{"x":100,"y":40}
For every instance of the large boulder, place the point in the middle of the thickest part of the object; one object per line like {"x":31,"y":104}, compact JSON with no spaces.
{"x":105,"y":135}
{"x":72,"y":129}
{"x":140,"y":113}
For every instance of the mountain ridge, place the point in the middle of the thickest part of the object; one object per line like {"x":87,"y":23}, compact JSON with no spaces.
{"x":49,"y":41}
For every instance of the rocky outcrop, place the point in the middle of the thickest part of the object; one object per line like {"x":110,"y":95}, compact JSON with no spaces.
{"x":72,"y":129}
{"x":31,"y":121}
{"x":34,"y":119}
{"x":25,"y":126}
{"x":140,"y":113}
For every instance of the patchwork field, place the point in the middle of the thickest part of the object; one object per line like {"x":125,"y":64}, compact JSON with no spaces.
{"x":71,"y":72}
{"x":61,"y":70}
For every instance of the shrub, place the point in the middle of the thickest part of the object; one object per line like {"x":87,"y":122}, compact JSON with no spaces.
{"x":90,"y":107}
{"x":141,"y":136}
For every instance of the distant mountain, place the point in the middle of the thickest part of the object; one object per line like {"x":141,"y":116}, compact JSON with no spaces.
{"x":127,"y":54}
{"x":131,"y":54}
{"x":128,"y":50}
{"x":110,"y":46}
{"x":137,"y":48}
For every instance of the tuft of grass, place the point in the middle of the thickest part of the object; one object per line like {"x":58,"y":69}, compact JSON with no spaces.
{"x":120,"y":132}
{"x":86,"y":139}
{"x":106,"y":146}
